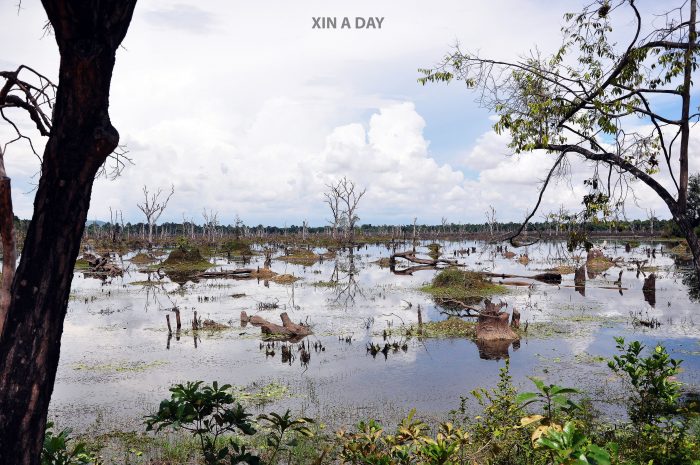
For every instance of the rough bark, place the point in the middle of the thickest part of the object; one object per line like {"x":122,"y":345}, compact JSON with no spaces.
{"x":9,"y":257}
{"x":82,"y":136}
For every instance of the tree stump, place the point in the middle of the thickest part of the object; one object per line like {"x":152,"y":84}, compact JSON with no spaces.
{"x":515,"y":320}
{"x":580,"y":276}
{"x":493,"y":324}
{"x":649,"y":289}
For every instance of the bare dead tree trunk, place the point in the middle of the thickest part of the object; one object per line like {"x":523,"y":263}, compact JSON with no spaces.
{"x":81,"y":139}
{"x":332,"y":199}
{"x":153,"y":207}
{"x":9,"y":248}
{"x":350,"y":196}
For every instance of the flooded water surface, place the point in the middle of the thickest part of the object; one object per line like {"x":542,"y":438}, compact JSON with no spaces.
{"x":118,"y":360}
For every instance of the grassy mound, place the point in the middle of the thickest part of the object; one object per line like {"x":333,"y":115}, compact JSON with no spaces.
{"x":466,"y":286}
{"x":182,"y":259}
{"x":142,"y":259}
{"x":238,"y":247}
{"x":305,"y":257}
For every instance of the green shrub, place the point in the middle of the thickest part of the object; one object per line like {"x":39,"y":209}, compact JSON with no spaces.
{"x":654,"y":392}
{"x":212,"y":415}
{"x":57,"y":450}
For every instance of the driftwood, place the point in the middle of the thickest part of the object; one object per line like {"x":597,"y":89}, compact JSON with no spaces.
{"x":411,"y":257}
{"x":288,"y":328}
{"x":239,"y":273}
{"x":102,"y":265}
{"x":254,"y":320}
{"x":412,"y":269}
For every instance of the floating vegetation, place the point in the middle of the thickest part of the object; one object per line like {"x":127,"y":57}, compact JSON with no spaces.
{"x":211,"y":325}
{"x":145,"y":283}
{"x":325,"y":283}
{"x":451,"y":327}
{"x":120,"y":367}
{"x":588,"y":359}
{"x":257,"y":394}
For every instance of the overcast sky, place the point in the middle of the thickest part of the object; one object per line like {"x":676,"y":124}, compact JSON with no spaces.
{"x":247,"y":110}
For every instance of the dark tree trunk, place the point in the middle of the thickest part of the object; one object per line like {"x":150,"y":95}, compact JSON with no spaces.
{"x":88,"y":34}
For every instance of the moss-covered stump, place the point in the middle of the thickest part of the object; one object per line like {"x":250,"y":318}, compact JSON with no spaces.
{"x":465,"y":286}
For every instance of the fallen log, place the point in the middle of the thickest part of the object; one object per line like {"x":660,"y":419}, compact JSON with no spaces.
{"x":411,"y":257}
{"x":254,"y":320}
{"x":412,"y":269}
{"x":548,"y":278}
{"x":239,"y":273}
{"x":288,"y":328}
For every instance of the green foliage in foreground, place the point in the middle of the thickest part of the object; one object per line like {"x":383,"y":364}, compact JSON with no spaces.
{"x":212,"y":415}
{"x":551,"y":425}
{"x":57,"y":451}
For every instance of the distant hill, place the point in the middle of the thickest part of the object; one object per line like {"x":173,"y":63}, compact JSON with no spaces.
{"x":97,"y":222}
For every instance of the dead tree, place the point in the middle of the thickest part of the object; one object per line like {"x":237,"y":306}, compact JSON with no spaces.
{"x":9,"y":247}
{"x":153,"y":207}
{"x":491,"y":220}
{"x":211,"y":221}
{"x":80,"y":140}
{"x":332,"y":198}
{"x":350,"y":196}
